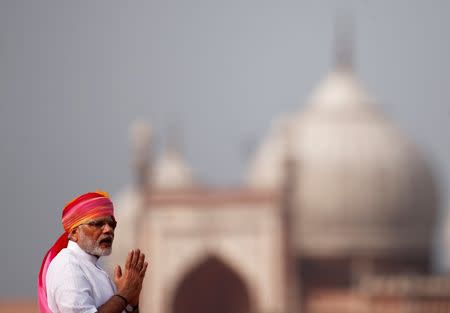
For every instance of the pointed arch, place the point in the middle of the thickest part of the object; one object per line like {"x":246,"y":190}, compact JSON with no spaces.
{"x":211,"y":286}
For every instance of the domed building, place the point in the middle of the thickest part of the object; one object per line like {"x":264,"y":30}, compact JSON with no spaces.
{"x":337,"y":214}
{"x":364,"y":200}
{"x":357,"y":176}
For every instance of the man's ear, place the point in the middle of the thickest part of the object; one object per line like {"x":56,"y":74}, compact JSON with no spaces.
{"x":74,"y":234}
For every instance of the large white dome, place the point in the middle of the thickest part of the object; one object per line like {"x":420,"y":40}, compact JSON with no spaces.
{"x":361,"y":186}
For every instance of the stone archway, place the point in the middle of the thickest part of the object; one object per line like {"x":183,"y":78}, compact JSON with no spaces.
{"x":211,"y":287}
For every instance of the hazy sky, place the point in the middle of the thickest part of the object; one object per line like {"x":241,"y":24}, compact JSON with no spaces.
{"x":75,"y":74}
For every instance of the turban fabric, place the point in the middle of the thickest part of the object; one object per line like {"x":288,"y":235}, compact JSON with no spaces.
{"x":76,"y":212}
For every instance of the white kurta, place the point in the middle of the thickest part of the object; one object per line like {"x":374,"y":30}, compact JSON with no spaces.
{"x":76,"y":283}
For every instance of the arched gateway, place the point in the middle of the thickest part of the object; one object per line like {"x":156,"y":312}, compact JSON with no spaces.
{"x":212,"y":251}
{"x":211,"y":286}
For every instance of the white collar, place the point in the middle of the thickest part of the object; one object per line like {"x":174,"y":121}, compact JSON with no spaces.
{"x":75,"y":248}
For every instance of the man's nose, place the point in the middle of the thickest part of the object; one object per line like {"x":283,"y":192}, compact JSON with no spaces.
{"x":107,"y":229}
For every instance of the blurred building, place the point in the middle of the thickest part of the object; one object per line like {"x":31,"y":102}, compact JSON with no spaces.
{"x":337,"y":214}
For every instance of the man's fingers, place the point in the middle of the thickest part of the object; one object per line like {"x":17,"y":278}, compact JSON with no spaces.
{"x":140,"y":261}
{"x":117,"y":272}
{"x":144,"y":268}
{"x":135,"y":258}
{"x":129,"y":258}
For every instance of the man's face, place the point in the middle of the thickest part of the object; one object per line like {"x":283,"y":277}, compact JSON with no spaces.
{"x":96,"y":236}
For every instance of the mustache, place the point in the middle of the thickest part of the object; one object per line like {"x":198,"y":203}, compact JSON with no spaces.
{"x":107,"y":238}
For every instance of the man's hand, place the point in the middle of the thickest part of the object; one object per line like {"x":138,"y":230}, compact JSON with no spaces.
{"x":129,"y":283}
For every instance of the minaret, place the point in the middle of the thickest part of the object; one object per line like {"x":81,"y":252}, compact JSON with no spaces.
{"x":130,"y":204}
{"x":291,"y":277}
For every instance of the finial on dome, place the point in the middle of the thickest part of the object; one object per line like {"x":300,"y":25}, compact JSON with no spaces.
{"x":344,"y":40}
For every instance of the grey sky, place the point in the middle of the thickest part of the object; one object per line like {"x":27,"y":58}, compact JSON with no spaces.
{"x":75,"y":74}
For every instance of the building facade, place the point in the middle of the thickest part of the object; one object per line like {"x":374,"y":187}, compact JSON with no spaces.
{"x":336,"y":214}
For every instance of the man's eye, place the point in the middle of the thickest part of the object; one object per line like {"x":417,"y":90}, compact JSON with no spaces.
{"x":100,"y":224}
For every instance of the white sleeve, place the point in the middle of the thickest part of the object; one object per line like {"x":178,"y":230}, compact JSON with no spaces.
{"x":73,"y":294}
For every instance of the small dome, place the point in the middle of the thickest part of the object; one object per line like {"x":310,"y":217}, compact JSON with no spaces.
{"x":171,"y":171}
{"x":361,"y":185}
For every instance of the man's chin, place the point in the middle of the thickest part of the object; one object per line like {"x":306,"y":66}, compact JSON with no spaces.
{"x":106,"y":251}
{"x":98,"y":252}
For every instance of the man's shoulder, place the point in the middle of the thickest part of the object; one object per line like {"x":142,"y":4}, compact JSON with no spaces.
{"x":63,"y":261}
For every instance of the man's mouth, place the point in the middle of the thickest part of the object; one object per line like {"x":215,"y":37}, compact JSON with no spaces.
{"x":106,"y":241}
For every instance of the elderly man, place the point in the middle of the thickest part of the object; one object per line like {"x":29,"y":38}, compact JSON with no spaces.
{"x":71,"y":280}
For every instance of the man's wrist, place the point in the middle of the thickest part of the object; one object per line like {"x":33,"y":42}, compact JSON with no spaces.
{"x":125,"y":301}
{"x":132,"y":308}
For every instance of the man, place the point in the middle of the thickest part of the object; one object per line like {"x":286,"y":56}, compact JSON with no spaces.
{"x":71,"y":280}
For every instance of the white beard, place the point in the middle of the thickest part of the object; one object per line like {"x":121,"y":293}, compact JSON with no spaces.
{"x":91,"y":247}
